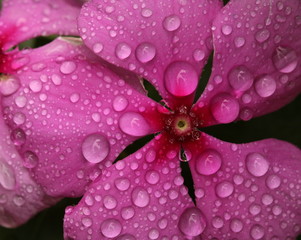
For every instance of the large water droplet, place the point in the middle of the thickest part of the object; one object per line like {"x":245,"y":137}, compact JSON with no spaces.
{"x":110,"y":228}
{"x":122,"y":184}
{"x":9,"y":84}
{"x":273,"y":181}
{"x":181,"y":79}
{"x":109,"y":202}
{"x":192,"y":222}
{"x":152,"y":177}
{"x":171,"y":23}
{"x":265,"y":86}
{"x":262,"y":35}
{"x":236,"y":225}
{"x":68,"y":67}
{"x":208,"y":162}
{"x":224,"y":189}
{"x":127,"y":213}
{"x":120,"y":103}
{"x":123,"y":51}
{"x":30,"y":159}
{"x":134,"y":124}
{"x":7,"y":176}
{"x":285,"y":59}
{"x":18,"y":137}
{"x":257,"y":164}
{"x":97,"y":47}
{"x":226,"y":30}
{"x":239,"y":42}
{"x":257,"y":232}
{"x":145,"y":52}
{"x":95,"y":148}
{"x":224,"y":108}
{"x":140,"y":197}
{"x":240,"y":78}
{"x":56,"y":79}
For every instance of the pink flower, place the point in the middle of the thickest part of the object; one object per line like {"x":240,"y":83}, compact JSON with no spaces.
{"x":76,"y":114}
{"x":20,"y":196}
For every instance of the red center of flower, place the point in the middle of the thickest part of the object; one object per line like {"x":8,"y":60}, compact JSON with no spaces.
{"x":182,"y":125}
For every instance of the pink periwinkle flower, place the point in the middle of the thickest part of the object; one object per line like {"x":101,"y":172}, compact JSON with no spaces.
{"x":71,"y":118}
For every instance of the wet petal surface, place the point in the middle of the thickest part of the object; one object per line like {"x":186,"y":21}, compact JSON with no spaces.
{"x":257,"y":58}
{"x":140,"y":197}
{"x":150,"y":37}
{"x":21,"y":20}
{"x":248,"y":191}
{"x":69,"y":112}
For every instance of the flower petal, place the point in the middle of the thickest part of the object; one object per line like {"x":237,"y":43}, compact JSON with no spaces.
{"x":150,"y":37}
{"x":20,"y":196}
{"x":21,"y":20}
{"x":140,"y":197}
{"x":257,"y":58}
{"x":71,"y":110}
{"x":248,"y":191}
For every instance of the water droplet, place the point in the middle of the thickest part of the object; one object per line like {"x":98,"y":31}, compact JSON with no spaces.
{"x":18,"y":137}
{"x":109,"y":202}
{"x":181,"y":79}
{"x":68,"y":67}
{"x":150,"y":156}
{"x":9,"y":84}
{"x":19,"y":118}
{"x":140,"y":197}
{"x":217,"y":222}
{"x":262,"y":35}
{"x":198,"y":55}
{"x":120,"y":103}
{"x":255,"y":209}
{"x":192,"y":222}
{"x":134,"y":124}
{"x":257,"y":164}
{"x":122,"y":184}
{"x":35,"y":86}
{"x":123,"y":51}
{"x":285,"y":59}
{"x":171,"y":23}
{"x":224,"y":189}
{"x":56,"y":79}
{"x":267,"y":199}
{"x":21,"y":101}
{"x":257,"y":232}
{"x":208,"y":162}
{"x":240,"y":78}
{"x":226,"y":30}
{"x":18,"y":200}
{"x":152,"y":177}
{"x":97,"y":47}
{"x":239,"y":42}
{"x":110,"y":228}
{"x":145,"y":52}
{"x":265,"y":86}
{"x":30,"y":159}
{"x":127,"y":213}
{"x":224,"y":108}
{"x":87,"y":222}
{"x":7,"y":176}
{"x":95,"y":148}
{"x":74,"y":97}
{"x":146,"y":13}
{"x":273,"y":181}
{"x":236,"y":225}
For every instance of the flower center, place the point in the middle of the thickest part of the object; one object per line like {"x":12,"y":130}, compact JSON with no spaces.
{"x":181,"y":125}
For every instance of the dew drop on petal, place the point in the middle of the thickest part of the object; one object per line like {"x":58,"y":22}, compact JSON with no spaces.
{"x":109,"y":202}
{"x":67,"y":67}
{"x":217,"y":222}
{"x":9,"y":84}
{"x":145,"y":52}
{"x":152,"y":177}
{"x":110,"y":228}
{"x":224,"y":108}
{"x":239,"y":42}
{"x":122,"y":184}
{"x":35,"y":86}
{"x":236,"y":225}
{"x":257,"y":232}
{"x":192,"y":222}
{"x":30,"y":159}
{"x":171,"y":23}
{"x":262,"y":35}
{"x":56,"y":79}
{"x":87,"y":222}
{"x":140,"y":197}
{"x":273,"y":181}
{"x":208,"y":162}
{"x":257,"y":164}
{"x":134,"y":124}
{"x":123,"y":51}
{"x":224,"y":189}
{"x":97,"y":47}
{"x":285,"y":59}
{"x":240,"y":78}
{"x":226,"y":30}
{"x":265,"y":86}
{"x":7,"y":176}
{"x":127,"y":213}
{"x":181,"y":79}
{"x":120,"y":103}
{"x":95,"y":148}
{"x":198,"y":55}
{"x":18,"y":137}
{"x":150,"y":156}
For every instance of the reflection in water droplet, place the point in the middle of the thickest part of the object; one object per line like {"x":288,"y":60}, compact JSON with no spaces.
{"x":145,"y":52}
{"x":120,"y":103}
{"x":265,"y":86}
{"x":192,"y":222}
{"x":224,"y":189}
{"x":181,"y":79}
{"x":236,"y":225}
{"x":123,"y":51}
{"x":97,"y":47}
{"x":240,"y":78}
{"x":95,"y":148}
{"x":257,"y":232}
{"x":110,"y":228}
{"x":262,"y":35}
{"x":239,"y":42}
{"x":285,"y":59}
{"x":273,"y":181}
{"x":18,"y":137}
{"x":134,"y":124}
{"x":9,"y":84}
{"x":30,"y":159}
{"x":257,"y":164}
{"x":67,"y":67}
{"x":140,"y":197}
{"x":172,"y":23}
{"x":226,"y":30}
{"x":7,"y":176}
{"x":208,"y":162}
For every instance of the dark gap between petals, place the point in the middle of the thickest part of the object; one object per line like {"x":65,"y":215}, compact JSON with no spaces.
{"x":226,"y":2}
{"x":283,"y":124}
{"x":204,"y":78}
{"x":133,"y":147}
{"x":37,"y":42}
{"x":188,"y":180}
{"x":152,"y":92}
